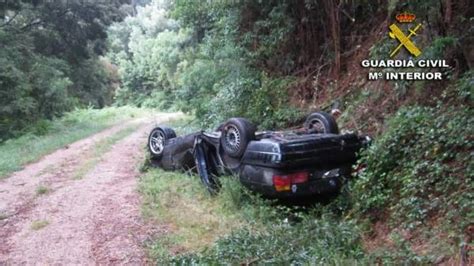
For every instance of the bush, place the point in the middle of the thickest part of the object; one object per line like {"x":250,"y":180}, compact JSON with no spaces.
{"x":30,"y":91}
{"x":420,"y":169}
{"x":465,"y":87}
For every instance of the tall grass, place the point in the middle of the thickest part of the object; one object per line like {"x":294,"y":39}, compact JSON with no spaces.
{"x":48,"y":136}
{"x":194,"y":217}
{"x":239,"y":227}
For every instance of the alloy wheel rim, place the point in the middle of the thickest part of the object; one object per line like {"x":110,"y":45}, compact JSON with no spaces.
{"x":156,"y":142}
{"x":317,"y":125}
{"x":232,"y":137}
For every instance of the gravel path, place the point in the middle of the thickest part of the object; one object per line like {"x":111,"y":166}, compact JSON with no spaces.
{"x":91,"y":220}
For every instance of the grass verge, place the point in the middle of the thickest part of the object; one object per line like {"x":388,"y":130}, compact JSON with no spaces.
{"x":239,"y":227}
{"x":100,"y":148}
{"x":49,"y":136}
{"x":196,"y":219}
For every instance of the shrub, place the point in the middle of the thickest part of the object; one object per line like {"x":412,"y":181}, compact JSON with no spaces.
{"x":465,"y":87}
{"x":420,"y":169}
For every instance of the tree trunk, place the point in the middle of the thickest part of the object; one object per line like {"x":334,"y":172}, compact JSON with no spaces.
{"x":334,"y":20}
{"x":448,"y":13}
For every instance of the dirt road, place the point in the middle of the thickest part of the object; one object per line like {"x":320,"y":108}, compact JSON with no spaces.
{"x":79,"y":205}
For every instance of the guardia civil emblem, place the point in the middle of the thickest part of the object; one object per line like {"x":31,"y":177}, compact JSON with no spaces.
{"x":405,"y":40}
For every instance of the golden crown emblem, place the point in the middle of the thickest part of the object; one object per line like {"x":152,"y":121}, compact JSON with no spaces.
{"x":405,"y":17}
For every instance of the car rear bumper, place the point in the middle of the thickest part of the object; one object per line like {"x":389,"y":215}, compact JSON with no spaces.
{"x":320,"y":182}
{"x":315,"y":150}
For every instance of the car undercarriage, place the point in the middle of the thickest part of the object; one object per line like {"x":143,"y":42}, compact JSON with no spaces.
{"x":307,"y":162}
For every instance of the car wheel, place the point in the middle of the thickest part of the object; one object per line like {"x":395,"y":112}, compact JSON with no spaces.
{"x":236,"y":134}
{"x":156,"y":140}
{"x":321,"y":122}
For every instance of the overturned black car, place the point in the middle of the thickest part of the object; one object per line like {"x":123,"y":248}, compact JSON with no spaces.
{"x":299,"y":163}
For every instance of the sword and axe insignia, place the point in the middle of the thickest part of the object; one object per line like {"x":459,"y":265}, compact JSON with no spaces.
{"x":405,"y":41}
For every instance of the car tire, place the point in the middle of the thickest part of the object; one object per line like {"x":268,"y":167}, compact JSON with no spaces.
{"x":236,"y":134}
{"x":321,"y":122}
{"x":156,"y":140}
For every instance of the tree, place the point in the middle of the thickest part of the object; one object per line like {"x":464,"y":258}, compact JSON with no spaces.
{"x":50,"y":59}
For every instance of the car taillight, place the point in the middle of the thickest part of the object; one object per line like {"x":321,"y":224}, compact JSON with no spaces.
{"x":281,"y":182}
{"x":300,"y":177}
{"x":284,"y":182}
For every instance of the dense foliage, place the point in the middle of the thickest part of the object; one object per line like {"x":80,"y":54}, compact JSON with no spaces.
{"x":49,"y":59}
{"x":258,"y":59}
{"x":224,"y":59}
{"x":421,"y":169}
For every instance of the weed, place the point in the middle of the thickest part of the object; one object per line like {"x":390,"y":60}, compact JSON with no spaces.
{"x":322,"y":241}
{"x":39,"y":224}
{"x":247,"y":228}
{"x":41,"y":190}
{"x":465,"y":87}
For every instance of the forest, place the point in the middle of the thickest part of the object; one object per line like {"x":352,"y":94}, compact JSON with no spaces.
{"x":272,"y":62}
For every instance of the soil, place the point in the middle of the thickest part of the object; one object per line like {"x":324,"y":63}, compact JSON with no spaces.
{"x":92,"y":220}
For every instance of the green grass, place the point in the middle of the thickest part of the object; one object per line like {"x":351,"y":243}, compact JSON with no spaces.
{"x":239,"y":227}
{"x":41,"y":190}
{"x":39,"y":224}
{"x":15,"y":153}
{"x":100,"y":148}
{"x":179,"y":200}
